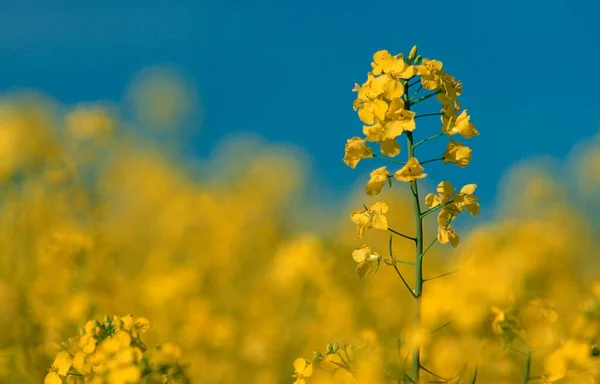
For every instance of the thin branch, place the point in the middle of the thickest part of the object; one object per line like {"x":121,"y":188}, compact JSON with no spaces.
{"x":428,"y":138}
{"x":442,"y":275}
{"x":435,"y":374}
{"x":412,"y":292}
{"x":423,"y":98}
{"x":429,"y":114}
{"x":441,"y":326}
{"x":416,"y":93}
{"x":430,"y":210}
{"x":516,"y":350}
{"x":386,"y":158}
{"x":412,"y":84}
{"x":429,"y":246}
{"x":402,"y":235}
{"x":390,"y":262}
{"x":475,"y":374}
{"x":527,"y":368}
{"x":432,"y":160}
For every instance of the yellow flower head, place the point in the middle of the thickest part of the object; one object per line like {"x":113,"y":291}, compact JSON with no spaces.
{"x":458,"y":154}
{"x":377,"y":181}
{"x":356,"y":149}
{"x":411,"y":171}
{"x":374,"y":217}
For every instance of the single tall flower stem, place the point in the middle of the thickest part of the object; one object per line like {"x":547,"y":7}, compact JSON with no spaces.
{"x":418,"y":288}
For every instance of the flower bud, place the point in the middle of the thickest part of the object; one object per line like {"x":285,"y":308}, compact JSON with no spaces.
{"x":412,"y":54}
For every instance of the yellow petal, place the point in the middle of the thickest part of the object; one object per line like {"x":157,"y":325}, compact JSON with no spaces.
{"x":468,"y":189}
{"x":390,"y":147}
{"x":52,"y":378}
{"x":299,"y":365}
{"x":62,"y":363}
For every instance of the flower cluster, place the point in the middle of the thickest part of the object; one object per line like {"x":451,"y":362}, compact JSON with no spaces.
{"x":384,"y":104}
{"x":451,"y":204}
{"x":112,"y":352}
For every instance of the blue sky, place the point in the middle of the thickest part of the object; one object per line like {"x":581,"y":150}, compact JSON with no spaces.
{"x":285,"y":69}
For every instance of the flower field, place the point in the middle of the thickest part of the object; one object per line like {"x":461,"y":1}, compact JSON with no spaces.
{"x":125,"y":261}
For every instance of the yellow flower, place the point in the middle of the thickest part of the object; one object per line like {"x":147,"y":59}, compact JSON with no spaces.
{"x":374,"y":217}
{"x":411,"y":171}
{"x":392,"y":87}
{"x":384,"y":62}
{"x":366,"y":260}
{"x":430,"y":74}
{"x":446,"y":216}
{"x":80,"y":364}
{"x":465,"y":199}
{"x":500,"y":323}
{"x":458,"y":154}
{"x":460,"y":125}
{"x":447,"y":234}
{"x":445,"y":194}
{"x":377,"y":181}
{"x":87,"y":343}
{"x":399,"y":119}
{"x":62,"y":363}
{"x":371,"y":110}
{"x":368,"y":103}
{"x":356,"y":149}
{"x":301,"y":370}
{"x":89,"y":120}
{"x":370,"y":90}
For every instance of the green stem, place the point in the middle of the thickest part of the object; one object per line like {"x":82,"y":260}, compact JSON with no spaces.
{"x":527,"y":368}
{"x":429,"y":114}
{"x":401,"y":234}
{"x":391,"y":243}
{"x":432,"y":160}
{"x":431,"y":210}
{"x":417,"y":92}
{"x":429,"y":246}
{"x":428,"y":138}
{"x":442,"y":275}
{"x":423,"y":98}
{"x":386,"y":158}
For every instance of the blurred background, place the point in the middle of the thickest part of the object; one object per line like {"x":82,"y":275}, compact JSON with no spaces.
{"x":183,"y":162}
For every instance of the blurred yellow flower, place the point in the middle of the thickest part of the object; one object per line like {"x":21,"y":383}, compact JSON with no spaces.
{"x":302,"y":370}
{"x":367,"y":260}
